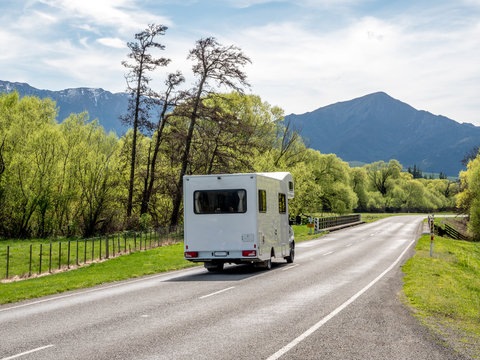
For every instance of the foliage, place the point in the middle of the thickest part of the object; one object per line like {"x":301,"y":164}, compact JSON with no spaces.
{"x":58,"y":178}
{"x":469,"y":199}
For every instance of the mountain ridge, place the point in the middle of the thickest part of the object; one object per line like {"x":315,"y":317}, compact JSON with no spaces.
{"x":101,"y":104}
{"x":377,"y":127}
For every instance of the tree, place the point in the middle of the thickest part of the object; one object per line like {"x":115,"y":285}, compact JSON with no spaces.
{"x":167,"y":101}
{"x":469,"y":199}
{"x":137,"y":86}
{"x":380,"y":173}
{"x":212,"y":62}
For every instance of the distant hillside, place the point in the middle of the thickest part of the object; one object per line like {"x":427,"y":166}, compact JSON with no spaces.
{"x":99,"y":103}
{"x":377,"y":127}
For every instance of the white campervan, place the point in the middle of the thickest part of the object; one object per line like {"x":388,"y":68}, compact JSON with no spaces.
{"x":238,"y":218}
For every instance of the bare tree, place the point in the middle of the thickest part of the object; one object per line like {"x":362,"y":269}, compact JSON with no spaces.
{"x":212,"y":62}
{"x":167,"y":101}
{"x":137,"y":86}
{"x":470,"y":155}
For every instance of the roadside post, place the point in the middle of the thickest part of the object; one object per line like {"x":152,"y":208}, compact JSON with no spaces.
{"x":310,"y":225}
{"x":431,"y":222}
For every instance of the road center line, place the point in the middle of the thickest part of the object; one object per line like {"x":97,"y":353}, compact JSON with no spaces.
{"x":28,"y":352}
{"x":328,"y":253}
{"x":290,"y":267}
{"x":216,"y":292}
{"x":335,"y":312}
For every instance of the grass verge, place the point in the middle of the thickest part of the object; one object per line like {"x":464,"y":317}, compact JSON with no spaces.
{"x":124,"y":267}
{"x":444,"y":290}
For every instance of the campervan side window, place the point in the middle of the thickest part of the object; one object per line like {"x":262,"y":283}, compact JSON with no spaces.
{"x":282,"y":203}
{"x":220,"y":201}
{"x":262,"y":201}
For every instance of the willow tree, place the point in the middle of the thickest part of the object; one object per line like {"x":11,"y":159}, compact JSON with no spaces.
{"x":140,"y":102}
{"x":214,"y":64}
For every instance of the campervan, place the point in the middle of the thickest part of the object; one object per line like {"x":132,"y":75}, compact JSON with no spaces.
{"x":238,"y":218}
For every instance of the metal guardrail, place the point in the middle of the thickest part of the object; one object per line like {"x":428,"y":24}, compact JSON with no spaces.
{"x":453,"y":233}
{"x":328,"y":222}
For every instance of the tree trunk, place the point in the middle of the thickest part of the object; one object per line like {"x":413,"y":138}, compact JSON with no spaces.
{"x":134,"y":142}
{"x":178,"y":195}
{"x":148,"y":190}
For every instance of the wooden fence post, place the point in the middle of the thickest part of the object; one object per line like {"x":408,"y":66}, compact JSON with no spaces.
{"x":8,"y":259}
{"x":40,"y":265}
{"x":30,"y":264}
{"x":106,"y":247}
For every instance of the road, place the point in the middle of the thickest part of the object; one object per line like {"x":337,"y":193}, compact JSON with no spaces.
{"x":338,"y":300}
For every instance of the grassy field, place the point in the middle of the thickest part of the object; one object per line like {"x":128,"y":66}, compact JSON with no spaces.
{"x":136,"y":264}
{"x":53,"y":254}
{"x":123,"y":267}
{"x":444,"y":290}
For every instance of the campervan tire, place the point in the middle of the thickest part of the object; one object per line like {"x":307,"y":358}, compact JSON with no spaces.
{"x":268,"y":264}
{"x":214,"y":267}
{"x":291,"y":256}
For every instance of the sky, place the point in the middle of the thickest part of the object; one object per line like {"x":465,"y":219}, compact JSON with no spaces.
{"x":305,"y":53}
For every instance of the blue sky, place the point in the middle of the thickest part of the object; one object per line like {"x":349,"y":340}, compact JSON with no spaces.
{"x":305,"y":54}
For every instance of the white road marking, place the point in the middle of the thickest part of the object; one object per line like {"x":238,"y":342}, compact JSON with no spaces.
{"x":348,"y":245}
{"x":289,"y":267}
{"x":27,"y":352}
{"x":216,"y":292}
{"x":328,"y":253}
{"x":335,"y":312}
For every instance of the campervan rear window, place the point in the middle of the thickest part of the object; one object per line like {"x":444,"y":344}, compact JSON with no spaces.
{"x":220,"y":201}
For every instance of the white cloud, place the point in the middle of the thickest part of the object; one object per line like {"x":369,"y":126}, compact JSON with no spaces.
{"x":112,"y":42}
{"x":124,"y":15}
{"x":301,"y":70}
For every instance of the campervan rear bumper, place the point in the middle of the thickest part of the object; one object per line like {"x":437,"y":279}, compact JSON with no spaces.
{"x":234,"y":256}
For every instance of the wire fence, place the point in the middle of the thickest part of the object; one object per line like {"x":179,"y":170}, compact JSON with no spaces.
{"x":24,"y":260}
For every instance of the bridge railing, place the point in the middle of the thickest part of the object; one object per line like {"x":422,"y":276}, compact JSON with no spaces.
{"x":331,"y":221}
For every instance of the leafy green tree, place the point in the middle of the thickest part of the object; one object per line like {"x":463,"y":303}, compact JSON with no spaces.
{"x":469,"y":198}
{"x":29,"y":140}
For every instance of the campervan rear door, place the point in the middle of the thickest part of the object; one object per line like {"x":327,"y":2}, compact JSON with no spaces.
{"x":220,"y":213}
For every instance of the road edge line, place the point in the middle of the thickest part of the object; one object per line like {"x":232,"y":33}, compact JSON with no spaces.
{"x":335,"y":312}
{"x":27,"y":352}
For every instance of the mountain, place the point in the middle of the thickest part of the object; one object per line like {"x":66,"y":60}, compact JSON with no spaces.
{"x":378,"y":127}
{"x":367,"y":129}
{"x":99,"y":103}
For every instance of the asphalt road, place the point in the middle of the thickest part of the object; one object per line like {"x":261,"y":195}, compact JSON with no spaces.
{"x":338,"y":300}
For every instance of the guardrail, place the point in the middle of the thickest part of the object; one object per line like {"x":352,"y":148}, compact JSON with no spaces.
{"x":453,"y":233}
{"x":332,"y":221}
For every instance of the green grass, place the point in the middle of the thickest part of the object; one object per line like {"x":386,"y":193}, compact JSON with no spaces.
{"x":302,"y":233}
{"x":124,"y":267}
{"x":445,"y":290}
{"x":81,"y":251}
